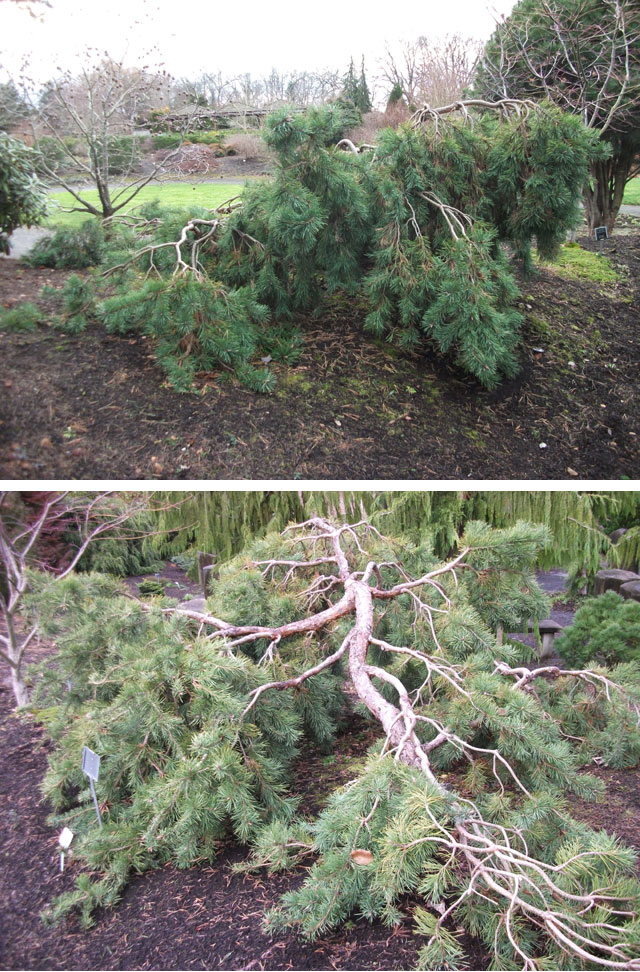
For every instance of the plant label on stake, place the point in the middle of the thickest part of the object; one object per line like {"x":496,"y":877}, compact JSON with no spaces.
{"x":601,"y":234}
{"x":65,"y":838}
{"x":91,"y":766}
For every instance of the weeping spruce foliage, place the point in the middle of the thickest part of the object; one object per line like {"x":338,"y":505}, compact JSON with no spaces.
{"x":414,"y":230}
{"x":186,"y":764}
{"x":225,"y":521}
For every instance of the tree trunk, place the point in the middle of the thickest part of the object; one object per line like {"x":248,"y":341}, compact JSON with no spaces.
{"x":17,"y":680}
{"x":602,"y":197}
{"x":18,"y":686}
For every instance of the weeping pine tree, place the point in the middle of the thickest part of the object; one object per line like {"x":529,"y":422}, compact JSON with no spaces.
{"x":464,"y":802}
{"x":414,"y":228}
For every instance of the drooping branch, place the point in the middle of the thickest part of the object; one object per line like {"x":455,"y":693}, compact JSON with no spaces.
{"x":194,"y":236}
{"x":92,"y":517}
{"x":508,"y":107}
{"x":496,"y":858}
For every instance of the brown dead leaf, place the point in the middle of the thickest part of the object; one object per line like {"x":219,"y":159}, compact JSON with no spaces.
{"x":361,"y":856}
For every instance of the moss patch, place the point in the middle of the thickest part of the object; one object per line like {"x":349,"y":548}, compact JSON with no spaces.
{"x":578,"y":264}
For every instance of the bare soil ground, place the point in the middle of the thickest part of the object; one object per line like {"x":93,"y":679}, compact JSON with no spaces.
{"x":97,"y":406}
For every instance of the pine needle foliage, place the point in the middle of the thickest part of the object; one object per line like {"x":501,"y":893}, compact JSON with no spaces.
{"x":465,"y":805}
{"x":69,"y":249}
{"x":413,"y":231}
{"x":197,"y":325}
{"x":181,"y":769}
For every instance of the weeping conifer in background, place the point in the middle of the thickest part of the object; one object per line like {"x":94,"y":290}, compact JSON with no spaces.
{"x":225,"y":522}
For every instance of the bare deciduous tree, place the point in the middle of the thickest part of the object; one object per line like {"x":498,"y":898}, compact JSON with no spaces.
{"x":434,"y":72}
{"x":216,"y":90}
{"x":90,"y":515}
{"x":86,"y":116}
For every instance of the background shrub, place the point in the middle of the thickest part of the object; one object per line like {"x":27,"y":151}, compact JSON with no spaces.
{"x":50,"y":152}
{"x":69,"y":249}
{"x":206,"y":138}
{"x":605,"y":629}
{"x":246,"y":145}
{"x":166,"y":140}
{"x":124,"y":153}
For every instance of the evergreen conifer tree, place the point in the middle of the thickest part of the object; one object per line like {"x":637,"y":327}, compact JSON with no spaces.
{"x":364,"y":95}
{"x":464,"y":799}
{"x":415,"y":229}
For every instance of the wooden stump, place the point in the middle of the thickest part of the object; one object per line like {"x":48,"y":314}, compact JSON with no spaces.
{"x":204,"y":560}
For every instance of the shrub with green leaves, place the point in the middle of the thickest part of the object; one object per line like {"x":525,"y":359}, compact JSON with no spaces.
{"x":151,"y":588}
{"x":22,"y":197}
{"x":605,"y":629}
{"x":166,"y":140}
{"x":69,"y":249}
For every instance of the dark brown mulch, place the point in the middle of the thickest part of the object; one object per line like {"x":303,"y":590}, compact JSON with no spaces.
{"x":97,"y":406}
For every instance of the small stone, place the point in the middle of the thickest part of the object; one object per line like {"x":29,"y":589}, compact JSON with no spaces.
{"x":571,"y":471}
{"x":46,"y":443}
{"x":543,"y":445}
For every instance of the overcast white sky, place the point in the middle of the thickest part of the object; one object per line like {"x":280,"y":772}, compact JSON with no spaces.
{"x":193,"y":36}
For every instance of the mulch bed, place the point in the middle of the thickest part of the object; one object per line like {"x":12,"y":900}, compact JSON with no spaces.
{"x":97,"y":406}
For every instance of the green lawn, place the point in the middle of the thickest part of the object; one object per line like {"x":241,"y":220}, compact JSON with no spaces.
{"x":182,"y":194}
{"x":177,"y":195}
{"x":632,"y":193}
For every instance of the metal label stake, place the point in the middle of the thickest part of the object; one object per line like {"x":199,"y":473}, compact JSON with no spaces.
{"x":601,"y":234}
{"x":91,"y":767}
